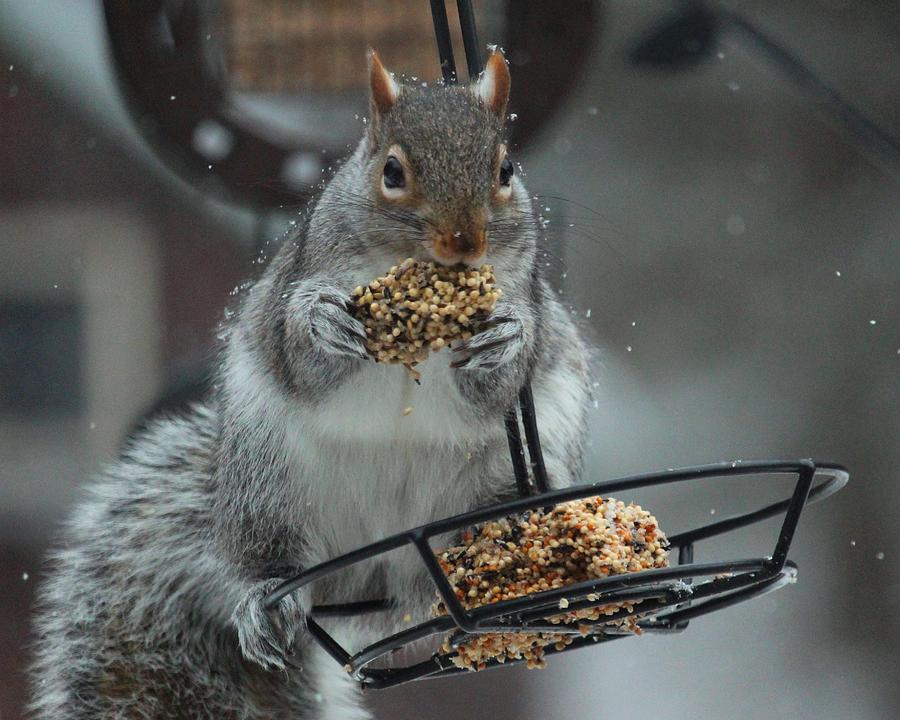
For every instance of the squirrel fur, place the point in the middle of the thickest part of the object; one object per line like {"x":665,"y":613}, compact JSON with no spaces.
{"x":152,"y":605}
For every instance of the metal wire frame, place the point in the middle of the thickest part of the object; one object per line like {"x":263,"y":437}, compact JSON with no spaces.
{"x":668,"y":601}
{"x":445,"y":44}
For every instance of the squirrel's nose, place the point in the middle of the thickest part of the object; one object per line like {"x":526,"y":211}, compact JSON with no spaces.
{"x":464,"y":242}
{"x":460,"y":245}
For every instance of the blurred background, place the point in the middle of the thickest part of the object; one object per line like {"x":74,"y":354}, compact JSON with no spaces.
{"x":721,"y":188}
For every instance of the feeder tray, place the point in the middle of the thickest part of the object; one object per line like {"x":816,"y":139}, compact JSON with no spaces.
{"x":669,"y":597}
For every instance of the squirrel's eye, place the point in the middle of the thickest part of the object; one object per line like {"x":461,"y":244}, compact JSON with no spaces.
{"x":393,"y":173}
{"x":506,"y":171}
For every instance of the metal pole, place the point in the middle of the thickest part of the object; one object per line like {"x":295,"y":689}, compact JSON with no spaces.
{"x":469,"y":36}
{"x":445,"y":46}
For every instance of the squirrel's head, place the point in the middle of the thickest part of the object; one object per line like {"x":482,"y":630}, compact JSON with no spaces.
{"x":437,"y":167}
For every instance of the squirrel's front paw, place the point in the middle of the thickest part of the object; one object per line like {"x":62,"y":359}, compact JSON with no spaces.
{"x":498,"y":345}
{"x":334,"y":330}
{"x":267,"y":636}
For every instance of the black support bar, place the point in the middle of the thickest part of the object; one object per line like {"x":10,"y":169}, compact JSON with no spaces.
{"x":469,"y":36}
{"x":444,"y":43}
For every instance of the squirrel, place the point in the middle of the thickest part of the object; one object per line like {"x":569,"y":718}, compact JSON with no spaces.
{"x":153,"y":604}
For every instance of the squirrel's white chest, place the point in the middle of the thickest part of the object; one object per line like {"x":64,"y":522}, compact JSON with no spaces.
{"x":384,"y":403}
{"x":384,"y":454}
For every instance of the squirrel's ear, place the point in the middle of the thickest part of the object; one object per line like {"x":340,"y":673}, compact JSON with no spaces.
{"x":383,"y":89}
{"x":492,"y":88}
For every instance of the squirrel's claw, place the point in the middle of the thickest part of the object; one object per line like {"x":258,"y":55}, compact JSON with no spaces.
{"x":498,"y":345}
{"x":267,"y":637}
{"x":335,"y":331}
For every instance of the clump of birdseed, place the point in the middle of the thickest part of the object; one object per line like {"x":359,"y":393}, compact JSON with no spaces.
{"x":542,"y":550}
{"x":420,"y":307}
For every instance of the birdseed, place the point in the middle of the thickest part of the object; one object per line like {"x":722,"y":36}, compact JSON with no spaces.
{"x":419,"y":307}
{"x":542,"y":550}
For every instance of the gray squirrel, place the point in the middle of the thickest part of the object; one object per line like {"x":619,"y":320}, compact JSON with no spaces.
{"x":153,"y":604}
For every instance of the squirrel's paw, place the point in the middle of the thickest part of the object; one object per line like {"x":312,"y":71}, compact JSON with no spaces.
{"x":334,"y":330}
{"x":498,"y":345}
{"x":267,"y":637}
